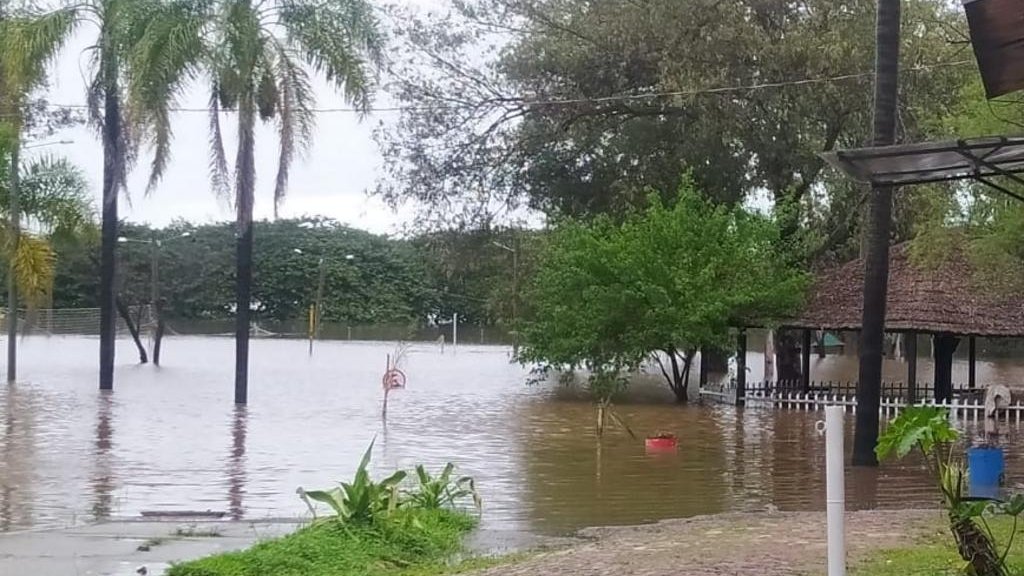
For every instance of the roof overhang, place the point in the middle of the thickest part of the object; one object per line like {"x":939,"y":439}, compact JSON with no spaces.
{"x":978,"y":159}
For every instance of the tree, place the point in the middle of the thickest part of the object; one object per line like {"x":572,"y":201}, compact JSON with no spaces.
{"x":56,"y":209}
{"x":576,"y":107}
{"x":662,"y":284}
{"x":145,"y":51}
{"x":28,"y":40}
{"x":879,"y":223}
{"x":258,"y":55}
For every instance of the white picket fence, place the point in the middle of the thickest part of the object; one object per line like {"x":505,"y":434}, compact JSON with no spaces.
{"x":961,"y":409}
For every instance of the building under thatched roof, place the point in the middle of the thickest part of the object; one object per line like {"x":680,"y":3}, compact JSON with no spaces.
{"x":944,"y":299}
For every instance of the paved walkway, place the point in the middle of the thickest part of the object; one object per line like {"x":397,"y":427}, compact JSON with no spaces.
{"x":780,"y":544}
{"x":126,"y":548}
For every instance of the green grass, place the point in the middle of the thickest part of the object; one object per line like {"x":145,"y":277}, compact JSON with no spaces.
{"x":410,"y":543}
{"x":936,"y":555}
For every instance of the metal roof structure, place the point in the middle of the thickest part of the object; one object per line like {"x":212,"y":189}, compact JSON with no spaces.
{"x":997,"y":36}
{"x":978,"y":159}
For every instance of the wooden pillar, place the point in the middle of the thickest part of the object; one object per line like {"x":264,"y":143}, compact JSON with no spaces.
{"x":741,"y":366}
{"x":703,"y":379}
{"x":911,"y":348}
{"x":805,"y":362}
{"x":945,"y":346}
{"x":972,"y":356}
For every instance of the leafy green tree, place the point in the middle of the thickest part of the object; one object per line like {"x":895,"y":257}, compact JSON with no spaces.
{"x":665,"y":282}
{"x":522,"y":101}
{"x":259,"y":54}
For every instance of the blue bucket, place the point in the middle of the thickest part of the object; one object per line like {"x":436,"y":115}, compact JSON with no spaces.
{"x":985,"y":471}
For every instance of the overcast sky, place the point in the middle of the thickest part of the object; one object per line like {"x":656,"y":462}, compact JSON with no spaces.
{"x":332,"y":179}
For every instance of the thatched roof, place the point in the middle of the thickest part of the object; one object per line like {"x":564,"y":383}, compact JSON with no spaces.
{"x":941,"y":299}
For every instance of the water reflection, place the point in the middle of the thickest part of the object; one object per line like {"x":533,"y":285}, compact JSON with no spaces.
{"x":172,"y":440}
{"x":103,"y":482}
{"x":236,"y":464}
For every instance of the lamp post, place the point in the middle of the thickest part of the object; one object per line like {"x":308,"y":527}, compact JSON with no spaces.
{"x":515,"y":292}
{"x":14,"y":219}
{"x":154,"y":285}
{"x":317,"y":313}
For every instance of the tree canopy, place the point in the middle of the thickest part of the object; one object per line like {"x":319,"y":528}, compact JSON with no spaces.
{"x":668,"y":280}
{"x":576,"y":108}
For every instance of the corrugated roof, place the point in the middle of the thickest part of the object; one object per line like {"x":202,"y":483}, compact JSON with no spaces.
{"x":940,"y":300}
{"x":903,"y":164}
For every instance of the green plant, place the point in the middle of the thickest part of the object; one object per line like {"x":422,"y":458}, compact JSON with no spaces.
{"x":363,"y":499}
{"x":443,"y":490}
{"x":928,"y":430}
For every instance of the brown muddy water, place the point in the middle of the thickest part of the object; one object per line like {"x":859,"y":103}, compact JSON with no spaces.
{"x":170,"y":439}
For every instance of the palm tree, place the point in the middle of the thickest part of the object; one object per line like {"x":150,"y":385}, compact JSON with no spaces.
{"x":259,"y":57}
{"x":876,"y":257}
{"x":53,"y":205}
{"x":145,"y":51}
{"x":29,"y":39}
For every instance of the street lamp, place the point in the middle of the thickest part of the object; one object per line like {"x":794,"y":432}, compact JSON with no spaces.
{"x":515,"y":292}
{"x":154,"y":284}
{"x":15,"y":232}
{"x":316,"y":312}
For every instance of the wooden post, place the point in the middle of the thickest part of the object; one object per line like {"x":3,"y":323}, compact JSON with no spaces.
{"x":741,"y":366}
{"x":910,"y":338}
{"x":805,"y":362}
{"x":972,"y":356}
{"x":703,"y":374}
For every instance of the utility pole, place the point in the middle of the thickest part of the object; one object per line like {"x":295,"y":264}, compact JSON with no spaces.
{"x":318,"y":306}
{"x":876,"y":257}
{"x":514,"y":249}
{"x":12,"y":285}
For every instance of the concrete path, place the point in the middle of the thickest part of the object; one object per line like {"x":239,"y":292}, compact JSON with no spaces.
{"x":126,"y":548}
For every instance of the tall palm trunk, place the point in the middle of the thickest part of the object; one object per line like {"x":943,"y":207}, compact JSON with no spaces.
{"x":245,"y":187}
{"x":876,"y":258}
{"x":112,"y":171}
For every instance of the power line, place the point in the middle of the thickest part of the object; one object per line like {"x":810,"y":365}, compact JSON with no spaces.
{"x":527,"y":102}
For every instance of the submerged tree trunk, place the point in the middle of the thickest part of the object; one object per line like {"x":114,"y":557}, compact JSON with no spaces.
{"x":945,"y":347}
{"x":876,"y":254}
{"x":679,"y":379}
{"x":244,"y":196}
{"x":113,"y":156}
{"x":133,"y":328}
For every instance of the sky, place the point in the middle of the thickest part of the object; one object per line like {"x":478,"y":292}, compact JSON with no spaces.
{"x":333,"y":178}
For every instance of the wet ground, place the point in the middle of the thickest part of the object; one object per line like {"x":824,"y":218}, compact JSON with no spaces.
{"x":170,"y":439}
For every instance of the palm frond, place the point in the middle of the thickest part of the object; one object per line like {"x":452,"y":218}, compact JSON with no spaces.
{"x":293,"y":113}
{"x":341,"y":40}
{"x":162,"y":61}
{"x":34,"y":269}
{"x":54,"y":197}
{"x":29,"y":40}
{"x":220,"y":176}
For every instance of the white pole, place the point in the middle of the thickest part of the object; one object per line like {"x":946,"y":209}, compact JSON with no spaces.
{"x":455,"y":330}
{"x":835,"y":490}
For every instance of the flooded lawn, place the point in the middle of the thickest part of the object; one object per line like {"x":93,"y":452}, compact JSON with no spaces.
{"x":169,"y":438}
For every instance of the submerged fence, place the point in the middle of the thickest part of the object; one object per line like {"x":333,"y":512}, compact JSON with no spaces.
{"x":923,"y":391}
{"x":969,"y":405}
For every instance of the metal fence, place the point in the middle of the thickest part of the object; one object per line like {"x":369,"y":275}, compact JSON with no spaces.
{"x":924,"y":390}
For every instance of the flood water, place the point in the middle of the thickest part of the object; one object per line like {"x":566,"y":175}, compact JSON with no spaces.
{"x":169,"y":438}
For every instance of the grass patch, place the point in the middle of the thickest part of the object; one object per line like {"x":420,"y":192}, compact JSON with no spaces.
{"x":936,"y":555}
{"x":408,"y":543}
